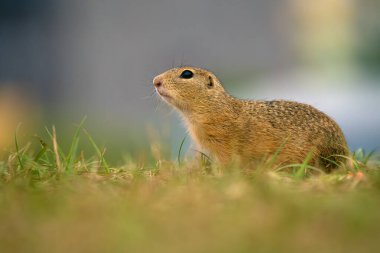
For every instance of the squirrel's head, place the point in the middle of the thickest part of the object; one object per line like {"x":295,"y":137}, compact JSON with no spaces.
{"x":189,"y":89}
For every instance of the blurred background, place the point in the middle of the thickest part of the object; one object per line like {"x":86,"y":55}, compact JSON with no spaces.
{"x":61,"y":60}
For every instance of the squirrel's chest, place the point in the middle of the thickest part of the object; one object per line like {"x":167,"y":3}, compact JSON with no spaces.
{"x":209,"y":137}
{"x":220,"y":142}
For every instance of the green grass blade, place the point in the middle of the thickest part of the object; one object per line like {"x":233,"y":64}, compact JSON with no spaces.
{"x":367,"y":157}
{"x":295,"y":165}
{"x":203,"y":155}
{"x":328,"y":159}
{"x":18,"y":149}
{"x":41,"y":152}
{"x":179,"y":151}
{"x":74,"y":146}
{"x":100,"y":154}
{"x":277,"y":151}
{"x":301,"y":172}
{"x":353,"y":159}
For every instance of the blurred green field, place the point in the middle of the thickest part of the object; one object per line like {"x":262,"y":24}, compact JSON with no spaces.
{"x":55,"y":200}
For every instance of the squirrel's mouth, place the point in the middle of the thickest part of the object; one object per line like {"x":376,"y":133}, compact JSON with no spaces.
{"x":163,"y":93}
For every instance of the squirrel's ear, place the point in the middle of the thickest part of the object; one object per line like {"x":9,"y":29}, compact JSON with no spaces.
{"x":210,"y":82}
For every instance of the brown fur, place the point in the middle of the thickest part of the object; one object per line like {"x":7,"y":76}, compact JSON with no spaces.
{"x":250,"y":130}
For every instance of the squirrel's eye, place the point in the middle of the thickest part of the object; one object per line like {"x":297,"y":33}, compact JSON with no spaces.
{"x":186,"y":74}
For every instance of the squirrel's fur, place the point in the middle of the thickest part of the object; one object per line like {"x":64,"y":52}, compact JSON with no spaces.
{"x":231,"y":128}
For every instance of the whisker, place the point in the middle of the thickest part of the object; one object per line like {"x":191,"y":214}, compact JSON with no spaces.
{"x":173,"y":62}
{"x":158,"y":103}
{"x":151,"y":95}
{"x":182,"y":58}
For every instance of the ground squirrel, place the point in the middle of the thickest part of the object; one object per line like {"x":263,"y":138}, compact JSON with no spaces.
{"x":248,"y":130}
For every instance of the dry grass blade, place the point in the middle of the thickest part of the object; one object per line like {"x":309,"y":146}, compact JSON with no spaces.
{"x":56,"y":154}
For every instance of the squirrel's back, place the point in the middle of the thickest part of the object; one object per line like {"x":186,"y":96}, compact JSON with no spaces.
{"x":296,"y":130}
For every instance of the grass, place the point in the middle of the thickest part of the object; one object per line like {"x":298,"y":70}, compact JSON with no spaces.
{"x":52,"y":200}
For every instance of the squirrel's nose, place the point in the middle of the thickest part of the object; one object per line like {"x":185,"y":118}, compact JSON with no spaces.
{"x":157,"y":82}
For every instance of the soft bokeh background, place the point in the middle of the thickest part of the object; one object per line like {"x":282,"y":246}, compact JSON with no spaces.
{"x":63,"y":59}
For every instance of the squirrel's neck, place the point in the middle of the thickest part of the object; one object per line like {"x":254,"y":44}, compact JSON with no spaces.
{"x":214,"y":110}
{"x":211,"y":118}
{"x":210,"y":128}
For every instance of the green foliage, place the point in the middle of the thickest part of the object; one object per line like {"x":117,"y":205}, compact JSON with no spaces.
{"x":51,"y":161}
{"x":53,"y":200}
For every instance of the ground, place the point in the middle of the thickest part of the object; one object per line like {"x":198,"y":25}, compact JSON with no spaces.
{"x":52,"y":201}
